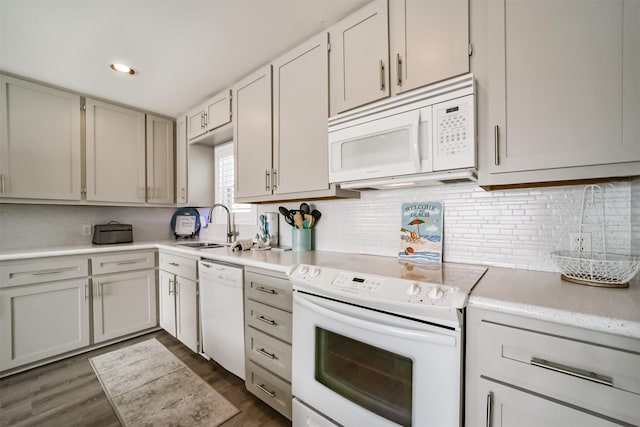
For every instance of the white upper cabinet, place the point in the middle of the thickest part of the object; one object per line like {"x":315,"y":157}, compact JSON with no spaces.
{"x":115,"y":153}
{"x":210,"y":115}
{"x":563,"y":90}
{"x":360,"y":57}
{"x":252,"y":134}
{"x":300,"y":109}
{"x":160,"y":159}
{"x":39,"y":142}
{"x":429,"y":41}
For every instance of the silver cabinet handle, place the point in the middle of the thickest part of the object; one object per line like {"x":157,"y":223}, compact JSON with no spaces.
{"x":275,"y":179}
{"x":265,"y":391}
{"x":86,"y":291}
{"x":52,"y":271}
{"x":266,"y":290}
{"x":176,"y":287}
{"x":170,"y":283}
{"x":265,"y":320}
{"x":382,"y":75}
{"x":267,"y":354}
{"x":489,"y":409}
{"x":569,"y":370}
{"x":98,"y":290}
{"x":1,"y":183}
{"x":135,"y":261}
{"x":267,"y":180}
{"x":496,"y":142}
{"x":205,"y":120}
{"x":182,"y":191}
{"x":399,"y":69}
{"x":175,"y":264}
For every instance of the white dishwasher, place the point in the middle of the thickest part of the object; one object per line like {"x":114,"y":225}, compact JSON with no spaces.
{"x":222,"y":315}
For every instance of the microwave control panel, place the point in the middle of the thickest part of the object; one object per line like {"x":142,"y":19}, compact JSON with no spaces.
{"x":454,"y":134}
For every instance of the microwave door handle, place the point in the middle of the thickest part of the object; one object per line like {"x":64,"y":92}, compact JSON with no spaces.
{"x":415,"y":144}
{"x":378,"y":327}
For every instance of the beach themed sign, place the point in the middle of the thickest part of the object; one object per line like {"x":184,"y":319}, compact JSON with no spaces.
{"x":421,"y":231}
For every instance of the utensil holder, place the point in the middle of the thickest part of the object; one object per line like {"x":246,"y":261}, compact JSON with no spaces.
{"x":300,"y":239}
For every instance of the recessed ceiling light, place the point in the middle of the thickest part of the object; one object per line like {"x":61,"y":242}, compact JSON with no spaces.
{"x":122,"y":68}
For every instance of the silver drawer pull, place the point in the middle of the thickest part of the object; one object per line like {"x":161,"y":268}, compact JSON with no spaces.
{"x":266,"y":290}
{"x":580,"y":373}
{"x":265,"y":391}
{"x":135,"y":261}
{"x":267,"y":354}
{"x":265,"y":320}
{"x":175,"y":264}
{"x":54,"y":271}
{"x":489,"y":409}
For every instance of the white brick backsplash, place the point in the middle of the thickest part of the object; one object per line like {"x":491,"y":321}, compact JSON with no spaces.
{"x":509,"y":228}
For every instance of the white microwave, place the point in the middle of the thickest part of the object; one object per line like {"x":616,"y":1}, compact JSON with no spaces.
{"x":425,"y":135}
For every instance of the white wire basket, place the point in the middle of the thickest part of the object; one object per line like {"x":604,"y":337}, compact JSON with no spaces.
{"x":596,"y":269}
{"x":588,"y":268}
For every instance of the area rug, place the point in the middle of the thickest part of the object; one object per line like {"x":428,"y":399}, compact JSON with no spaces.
{"x":148,"y":386}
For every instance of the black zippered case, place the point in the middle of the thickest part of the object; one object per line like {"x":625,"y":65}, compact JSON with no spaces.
{"x":111,"y":233}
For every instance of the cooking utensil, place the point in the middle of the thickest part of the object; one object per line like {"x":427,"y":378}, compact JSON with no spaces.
{"x":309,"y":220}
{"x":316,"y":214}
{"x":297,"y":218}
{"x":287,"y":214}
{"x":304,"y":208}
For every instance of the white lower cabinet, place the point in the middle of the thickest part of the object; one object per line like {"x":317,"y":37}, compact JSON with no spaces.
{"x":508,"y":406}
{"x":179,"y":299}
{"x":123,"y":303}
{"x":527,"y":372}
{"x":43,"y":320}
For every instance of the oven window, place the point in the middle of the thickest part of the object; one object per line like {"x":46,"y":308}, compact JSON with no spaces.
{"x":375,"y":379}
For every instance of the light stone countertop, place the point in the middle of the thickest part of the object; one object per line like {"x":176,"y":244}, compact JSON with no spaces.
{"x":545,"y":296}
{"x":534,"y":294}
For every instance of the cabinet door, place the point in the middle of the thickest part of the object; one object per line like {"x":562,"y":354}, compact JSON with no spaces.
{"x":167,"y":302}
{"x":429,"y":41}
{"x":567,"y":95}
{"x":41,"y":321}
{"x":115,"y":153}
{"x":360,"y":55}
{"x":300,"y":111}
{"x":123,"y":303}
{"x":187,"y":312}
{"x":511,"y":407}
{"x":196,"y":123}
{"x":160,"y":158}
{"x":219,"y":110}
{"x":252,"y":133}
{"x":38,"y":126}
{"x":181,"y":161}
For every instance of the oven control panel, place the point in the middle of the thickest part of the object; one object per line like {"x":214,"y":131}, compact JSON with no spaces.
{"x":383,"y":291}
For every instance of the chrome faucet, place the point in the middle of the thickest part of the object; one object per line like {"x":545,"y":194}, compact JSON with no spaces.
{"x":230,"y":234}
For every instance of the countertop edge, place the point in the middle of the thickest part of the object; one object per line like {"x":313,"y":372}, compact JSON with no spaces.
{"x":582,"y":320}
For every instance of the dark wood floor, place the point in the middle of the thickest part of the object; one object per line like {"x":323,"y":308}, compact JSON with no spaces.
{"x":67,"y":393}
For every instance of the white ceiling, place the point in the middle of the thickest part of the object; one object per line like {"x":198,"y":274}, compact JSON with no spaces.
{"x":183,"y":50}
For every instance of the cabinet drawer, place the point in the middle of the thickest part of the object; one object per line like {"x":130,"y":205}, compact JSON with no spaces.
{"x":267,"y":319}
{"x":269,"y":388}
{"x":603,"y":379}
{"x":119,"y":262}
{"x":181,"y":266}
{"x":269,"y":290}
{"x":15,"y":273}
{"x":269,"y":352}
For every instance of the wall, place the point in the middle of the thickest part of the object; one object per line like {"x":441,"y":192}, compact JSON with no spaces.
{"x":29,"y":226}
{"x":509,"y":228}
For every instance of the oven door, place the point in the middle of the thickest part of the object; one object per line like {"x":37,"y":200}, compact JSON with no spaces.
{"x":363,"y":367}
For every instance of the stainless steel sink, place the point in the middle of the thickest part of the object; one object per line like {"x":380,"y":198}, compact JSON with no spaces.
{"x":201,"y":245}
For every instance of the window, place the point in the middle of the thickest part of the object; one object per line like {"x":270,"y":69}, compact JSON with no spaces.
{"x":243,"y":213}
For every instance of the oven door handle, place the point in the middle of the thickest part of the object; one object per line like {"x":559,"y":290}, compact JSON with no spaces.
{"x":331,"y":311}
